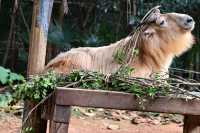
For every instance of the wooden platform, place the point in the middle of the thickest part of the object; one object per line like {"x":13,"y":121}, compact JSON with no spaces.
{"x":57,"y":109}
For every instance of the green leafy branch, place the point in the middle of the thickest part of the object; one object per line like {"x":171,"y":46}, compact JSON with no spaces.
{"x":40,"y":86}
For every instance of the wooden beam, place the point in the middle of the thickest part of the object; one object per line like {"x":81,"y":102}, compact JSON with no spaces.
{"x":124,"y":101}
{"x":61,"y":113}
{"x":191,"y":124}
{"x":56,"y":127}
{"x":61,"y":118}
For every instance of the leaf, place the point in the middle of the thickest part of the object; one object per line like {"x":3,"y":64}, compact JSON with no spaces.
{"x":8,"y":77}
{"x":5,"y":99}
{"x":15,"y":77}
{"x":120,"y":56}
{"x":4,"y":74}
{"x":135,"y":52}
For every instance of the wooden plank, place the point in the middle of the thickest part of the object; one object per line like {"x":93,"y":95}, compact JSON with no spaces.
{"x":191,"y":124}
{"x":61,"y":114}
{"x":124,"y":101}
{"x":56,"y":127}
{"x":61,"y":118}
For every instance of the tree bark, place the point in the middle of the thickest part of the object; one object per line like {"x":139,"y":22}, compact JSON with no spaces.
{"x":10,"y":36}
{"x":39,"y":31}
{"x":36,"y":61}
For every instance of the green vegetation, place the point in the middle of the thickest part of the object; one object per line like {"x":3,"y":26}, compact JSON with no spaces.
{"x":35,"y":89}
{"x":120,"y":56}
{"x":8,"y":77}
{"x":28,"y":130}
{"x":39,"y":87}
{"x":5,"y":99}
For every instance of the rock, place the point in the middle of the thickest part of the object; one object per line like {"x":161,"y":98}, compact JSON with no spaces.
{"x":113,"y":127}
{"x":100,"y":109}
{"x":116,"y":119}
{"x":124,"y":117}
{"x":165,"y":122}
{"x":177,"y":119}
{"x":134,"y":121}
{"x":139,"y":120}
{"x":18,"y":112}
{"x":89,"y":114}
{"x":91,"y":110}
{"x":133,"y":115}
{"x":155,"y":122}
{"x":115,"y":116}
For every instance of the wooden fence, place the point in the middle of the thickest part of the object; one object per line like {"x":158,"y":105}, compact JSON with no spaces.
{"x":57,"y":108}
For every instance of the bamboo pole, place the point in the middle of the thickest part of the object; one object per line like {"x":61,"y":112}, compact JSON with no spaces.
{"x":36,"y":61}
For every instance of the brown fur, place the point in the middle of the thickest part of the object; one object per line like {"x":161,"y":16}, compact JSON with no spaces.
{"x":156,"y":51}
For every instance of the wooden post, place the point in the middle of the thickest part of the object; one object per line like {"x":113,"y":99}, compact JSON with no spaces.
{"x":61,"y":117}
{"x":37,"y":51}
{"x":191,"y":124}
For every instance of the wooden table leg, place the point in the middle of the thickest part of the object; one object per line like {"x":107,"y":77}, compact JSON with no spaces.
{"x":191,"y":124}
{"x":56,"y":127}
{"x":61,"y":117}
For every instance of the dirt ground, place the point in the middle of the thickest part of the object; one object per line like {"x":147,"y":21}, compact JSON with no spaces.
{"x":11,"y":124}
{"x":101,"y":126}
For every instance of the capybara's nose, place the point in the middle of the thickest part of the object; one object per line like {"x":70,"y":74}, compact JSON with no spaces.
{"x":189,"y":19}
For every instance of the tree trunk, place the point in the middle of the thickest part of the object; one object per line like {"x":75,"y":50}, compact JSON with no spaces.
{"x":10,"y":36}
{"x":38,"y":40}
{"x":36,"y":60}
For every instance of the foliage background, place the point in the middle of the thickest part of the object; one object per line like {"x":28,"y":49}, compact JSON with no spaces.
{"x":88,"y":23}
